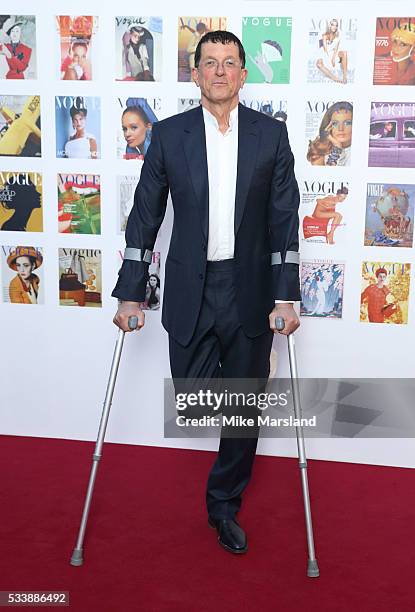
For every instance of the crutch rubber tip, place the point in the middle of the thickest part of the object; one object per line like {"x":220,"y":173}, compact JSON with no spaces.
{"x":76,"y":558}
{"x":312,"y":569}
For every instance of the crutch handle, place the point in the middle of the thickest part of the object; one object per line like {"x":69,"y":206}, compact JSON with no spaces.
{"x":279,"y":323}
{"x":132,"y":322}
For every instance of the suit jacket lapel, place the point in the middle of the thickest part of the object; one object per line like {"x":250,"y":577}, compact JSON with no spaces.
{"x":248,"y":141}
{"x":194,"y":143}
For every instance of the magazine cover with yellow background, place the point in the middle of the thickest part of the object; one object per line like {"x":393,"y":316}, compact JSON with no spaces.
{"x":21,"y":201}
{"x":385,"y":292}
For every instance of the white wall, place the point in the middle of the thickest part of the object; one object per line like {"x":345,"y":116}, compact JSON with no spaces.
{"x":55,"y":360}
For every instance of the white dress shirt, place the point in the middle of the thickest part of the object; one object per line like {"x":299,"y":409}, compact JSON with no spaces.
{"x":222,"y":161}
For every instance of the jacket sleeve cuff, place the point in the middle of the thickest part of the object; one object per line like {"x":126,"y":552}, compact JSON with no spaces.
{"x":132,"y":281}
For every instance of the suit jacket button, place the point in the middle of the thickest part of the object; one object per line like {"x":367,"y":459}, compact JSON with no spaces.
{"x":201,"y":276}
{"x":204,"y":247}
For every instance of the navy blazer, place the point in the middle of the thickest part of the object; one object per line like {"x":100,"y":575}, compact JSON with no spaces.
{"x":266,"y":221}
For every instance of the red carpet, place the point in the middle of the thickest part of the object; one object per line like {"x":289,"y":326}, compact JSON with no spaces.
{"x":148,"y":546}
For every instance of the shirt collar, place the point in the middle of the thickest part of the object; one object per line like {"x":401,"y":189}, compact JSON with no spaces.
{"x":233,"y":118}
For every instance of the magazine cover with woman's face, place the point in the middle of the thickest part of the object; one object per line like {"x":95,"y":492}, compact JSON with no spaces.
{"x":328,"y":132}
{"x":17,"y":47}
{"x":22,"y":274}
{"x":136,"y":118}
{"x":394,"y":61}
{"x":331,"y":49}
{"x":76,"y":36}
{"x":138,"y":48}
{"x":385,"y":292}
{"x":324,"y":211}
{"x":78,"y":127}
{"x":21,"y":201}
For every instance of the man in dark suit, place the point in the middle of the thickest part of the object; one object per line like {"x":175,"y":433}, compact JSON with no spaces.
{"x":232,"y":264}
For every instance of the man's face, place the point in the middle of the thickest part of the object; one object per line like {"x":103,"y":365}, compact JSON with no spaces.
{"x":219,"y":75}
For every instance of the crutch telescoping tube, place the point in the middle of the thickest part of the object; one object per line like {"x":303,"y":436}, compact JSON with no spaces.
{"x":77,"y":555}
{"x":312,"y":567}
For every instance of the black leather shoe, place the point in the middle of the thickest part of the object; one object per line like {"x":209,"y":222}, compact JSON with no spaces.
{"x":230,"y":535}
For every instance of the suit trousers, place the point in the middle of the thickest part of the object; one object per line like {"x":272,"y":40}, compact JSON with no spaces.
{"x":219,"y":348}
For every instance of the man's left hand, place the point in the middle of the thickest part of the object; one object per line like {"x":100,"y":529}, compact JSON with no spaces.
{"x":287,"y":312}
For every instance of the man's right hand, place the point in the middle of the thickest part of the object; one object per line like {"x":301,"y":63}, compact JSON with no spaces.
{"x":125,"y":311}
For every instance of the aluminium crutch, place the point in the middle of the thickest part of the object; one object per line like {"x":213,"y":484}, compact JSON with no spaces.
{"x":312,"y":567}
{"x":77,"y":558}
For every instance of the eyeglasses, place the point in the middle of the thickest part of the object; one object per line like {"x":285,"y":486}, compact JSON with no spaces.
{"x":228,"y":64}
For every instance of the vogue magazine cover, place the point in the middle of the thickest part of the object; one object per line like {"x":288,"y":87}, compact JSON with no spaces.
{"x":17,"y":47}
{"x":324,"y":208}
{"x":136,"y":118}
{"x":267,"y":43}
{"x":322,"y":283}
{"x":392,"y":135}
{"x":329,"y":127}
{"x":394,"y":62}
{"x":77,"y":48}
{"x":138,"y":48}
{"x":126,"y":185}
{"x":331,"y":49}
{"x":22,"y":274}
{"x":20,"y":132}
{"x":79,"y":204}
{"x":21,"y":201}
{"x":78,"y":127}
{"x":384,"y":292}
{"x":389,"y":215}
{"x":273,"y":107}
{"x":80,"y":277}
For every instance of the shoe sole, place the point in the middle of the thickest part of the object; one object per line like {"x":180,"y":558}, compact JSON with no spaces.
{"x":240,"y":551}
{"x":228,"y":548}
